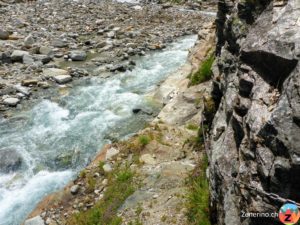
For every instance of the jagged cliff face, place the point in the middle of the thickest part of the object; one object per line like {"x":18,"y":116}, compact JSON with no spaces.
{"x":255,"y":135}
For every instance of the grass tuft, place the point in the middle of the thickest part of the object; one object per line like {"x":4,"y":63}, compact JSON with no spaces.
{"x":144,"y":140}
{"x":204,"y":73}
{"x":198,"y":196}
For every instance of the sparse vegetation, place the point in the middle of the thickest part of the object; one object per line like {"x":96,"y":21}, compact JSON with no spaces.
{"x":144,"y":140}
{"x":204,"y":73}
{"x":192,"y":127}
{"x":120,"y":186}
{"x":198,"y":196}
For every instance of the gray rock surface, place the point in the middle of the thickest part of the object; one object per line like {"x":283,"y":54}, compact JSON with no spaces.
{"x":254,"y":137}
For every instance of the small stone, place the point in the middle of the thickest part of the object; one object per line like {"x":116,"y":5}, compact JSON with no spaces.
{"x":74,"y":189}
{"x":29,"y":82}
{"x":107,"y":168}
{"x":35,"y":221}
{"x":105,"y":182}
{"x":111,"y":34}
{"x":11,"y":101}
{"x":29,"y":41}
{"x":155,"y":196}
{"x":62,"y":79}
{"x":59,"y":43}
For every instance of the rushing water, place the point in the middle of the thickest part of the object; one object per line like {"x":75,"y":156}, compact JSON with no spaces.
{"x":57,"y":139}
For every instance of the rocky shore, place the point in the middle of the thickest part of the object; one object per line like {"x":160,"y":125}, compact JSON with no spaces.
{"x":46,"y":44}
{"x":160,"y":158}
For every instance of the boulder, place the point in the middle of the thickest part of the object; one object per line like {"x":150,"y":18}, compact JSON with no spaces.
{"x":62,"y":79}
{"x":78,"y":55}
{"x":17,"y":55}
{"x":35,"y":221}
{"x":10,"y":160}
{"x":11,"y":101}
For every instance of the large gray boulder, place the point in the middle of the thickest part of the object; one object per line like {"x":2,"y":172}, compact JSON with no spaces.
{"x":10,"y":160}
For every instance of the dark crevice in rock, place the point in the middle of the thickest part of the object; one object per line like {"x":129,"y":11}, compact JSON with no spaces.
{"x":272,"y":68}
{"x":238,"y":131}
{"x":296,"y":120}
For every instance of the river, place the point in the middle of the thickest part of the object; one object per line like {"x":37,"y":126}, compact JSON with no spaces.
{"x":56,"y":139}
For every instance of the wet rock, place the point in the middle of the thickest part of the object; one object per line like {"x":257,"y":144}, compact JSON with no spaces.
{"x":4,"y":35}
{"x":78,"y":55}
{"x":35,"y":221}
{"x":62,"y":79}
{"x":17,"y":55}
{"x":74,"y":189}
{"x":11,"y":101}
{"x":10,"y":160}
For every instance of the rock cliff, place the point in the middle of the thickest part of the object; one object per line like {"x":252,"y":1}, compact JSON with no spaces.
{"x":254,"y":137}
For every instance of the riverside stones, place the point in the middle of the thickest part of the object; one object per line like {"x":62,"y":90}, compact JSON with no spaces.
{"x":51,"y":72}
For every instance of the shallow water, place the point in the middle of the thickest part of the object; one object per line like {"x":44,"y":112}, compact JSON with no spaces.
{"x":57,"y":139}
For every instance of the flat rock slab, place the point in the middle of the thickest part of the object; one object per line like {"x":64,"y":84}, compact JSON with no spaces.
{"x":62,"y":79}
{"x":35,"y":221}
{"x":52,"y":72}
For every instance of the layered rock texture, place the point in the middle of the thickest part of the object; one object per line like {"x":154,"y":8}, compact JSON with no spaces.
{"x":254,"y":137}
